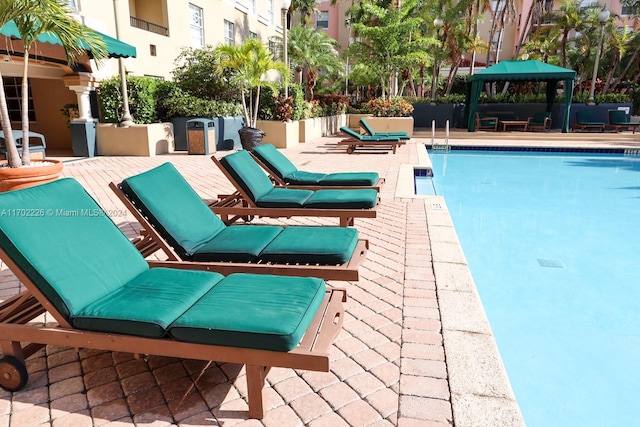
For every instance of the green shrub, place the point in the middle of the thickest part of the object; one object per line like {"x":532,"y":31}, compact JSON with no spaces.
{"x":141,"y":92}
{"x":395,"y":106}
{"x":331,"y":105}
{"x":191,"y":106}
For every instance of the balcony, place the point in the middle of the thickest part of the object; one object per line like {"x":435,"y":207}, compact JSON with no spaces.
{"x":149,"y":26}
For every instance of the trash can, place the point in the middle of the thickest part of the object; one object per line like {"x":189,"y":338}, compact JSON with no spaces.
{"x":201,"y":136}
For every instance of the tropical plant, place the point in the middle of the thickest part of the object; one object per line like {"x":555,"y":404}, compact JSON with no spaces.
{"x":395,"y":106}
{"x":33,"y":18}
{"x":312,"y":52}
{"x":249,"y":63}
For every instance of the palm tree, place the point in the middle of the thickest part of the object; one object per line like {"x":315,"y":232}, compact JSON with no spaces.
{"x":249,"y":64}
{"x":33,"y":18}
{"x":313,"y":51}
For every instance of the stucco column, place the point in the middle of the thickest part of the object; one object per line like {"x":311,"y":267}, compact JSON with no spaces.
{"x":84,"y":104}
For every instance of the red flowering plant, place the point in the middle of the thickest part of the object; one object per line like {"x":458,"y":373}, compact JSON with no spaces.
{"x":284,"y":108}
{"x":395,"y":106}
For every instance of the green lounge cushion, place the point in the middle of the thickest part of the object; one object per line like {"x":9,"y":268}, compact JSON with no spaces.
{"x":284,"y":198}
{"x":369,"y":138}
{"x":277,"y":162}
{"x":73,"y":253}
{"x":305,"y":178}
{"x":365,"y":198}
{"x":312,"y":245}
{"x":585,"y":118}
{"x":148,"y":304}
{"x":370,"y":131}
{"x":619,"y":117}
{"x":252,"y":311}
{"x":351,"y":178}
{"x":238,"y":243}
{"x":246,"y":172}
{"x":173,"y":208}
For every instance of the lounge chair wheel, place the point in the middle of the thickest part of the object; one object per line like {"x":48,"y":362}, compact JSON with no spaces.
{"x":351,"y":149}
{"x":13,"y":374}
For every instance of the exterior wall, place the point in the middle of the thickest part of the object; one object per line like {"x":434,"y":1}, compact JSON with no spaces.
{"x":52,"y":95}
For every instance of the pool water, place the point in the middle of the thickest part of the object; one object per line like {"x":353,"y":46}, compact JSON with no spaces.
{"x":553,"y":244}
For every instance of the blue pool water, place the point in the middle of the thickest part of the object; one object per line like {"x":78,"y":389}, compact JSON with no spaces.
{"x":553,"y":244}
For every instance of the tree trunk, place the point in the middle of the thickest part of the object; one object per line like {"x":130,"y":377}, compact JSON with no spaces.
{"x":26,"y":158}
{"x":12,"y":152}
{"x":624,"y":72}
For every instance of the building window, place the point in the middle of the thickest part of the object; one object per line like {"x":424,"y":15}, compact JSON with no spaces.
{"x":270,"y":11}
{"x":629,"y":10}
{"x":275,"y":48}
{"x":322,"y":20}
{"x":152,"y":50}
{"x":253,"y":35}
{"x":197,"y":34}
{"x":72,"y":4}
{"x":253,"y":7}
{"x":229,"y":33}
{"x":13,"y":92}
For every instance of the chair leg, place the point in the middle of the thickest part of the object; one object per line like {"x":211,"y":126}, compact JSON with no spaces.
{"x":256,"y":376}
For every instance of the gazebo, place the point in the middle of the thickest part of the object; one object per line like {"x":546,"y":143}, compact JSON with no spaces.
{"x":517,"y":70}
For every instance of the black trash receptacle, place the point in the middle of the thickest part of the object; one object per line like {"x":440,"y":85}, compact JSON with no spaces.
{"x":201,"y":136}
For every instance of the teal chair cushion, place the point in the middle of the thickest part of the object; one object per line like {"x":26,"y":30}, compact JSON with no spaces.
{"x":246,"y":172}
{"x":312,"y":245}
{"x":284,"y":198}
{"x":252,"y":311}
{"x":173,"y":208}
{"x":147,"y":304}
{"x":365,"y":198}
{"x":238,"y":243}
{"x":277,"y":162}
{"x":305,"y":178}
{"x":66,"y":245}
{"x":351,"y":178}
{"x":539,"y":118}
{"x":585,"y":117}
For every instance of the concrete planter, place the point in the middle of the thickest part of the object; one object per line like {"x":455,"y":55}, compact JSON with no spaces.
{"x":332,"y":124}
{"x":280,"y":134}
{"x":354,"y":120}
{"x":391,"y":124}
{"x":310,"y":129}
{"x":137,"y":140}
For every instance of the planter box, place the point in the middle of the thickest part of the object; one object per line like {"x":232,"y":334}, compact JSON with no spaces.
{"x":310,"y":129}
{"x":391,"y":124}
{"x":136,"y":140}
{"x":332,"y":124}
{"x":280,"y":134}
{"x":354,"y":120}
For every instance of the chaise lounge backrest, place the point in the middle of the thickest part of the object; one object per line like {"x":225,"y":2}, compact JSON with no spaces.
{"x":96,"y":258}
{"x":173,"y":208}
{"x":617,"y":117}
{"x":269,"y":155}
{"x":247,"y":173}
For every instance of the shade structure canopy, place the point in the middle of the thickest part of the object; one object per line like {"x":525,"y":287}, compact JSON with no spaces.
{"x":115,"y":48}
{"x":518,"y":71}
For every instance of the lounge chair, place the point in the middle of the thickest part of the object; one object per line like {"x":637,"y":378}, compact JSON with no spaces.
{"x":78,"y":266}
{"x":256,"y":195}
{"x":585,"y":121}
{"x":541,"y":120}
{"x":365,"y":125}
{"x":354,"y":139}
{"x":283,"y":173}
{"x":177,"y":221}
{"x":484,"y":122}
{"x":618,"y":120}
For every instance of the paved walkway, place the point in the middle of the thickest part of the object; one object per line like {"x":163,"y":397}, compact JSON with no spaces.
{"x":410,"y":354}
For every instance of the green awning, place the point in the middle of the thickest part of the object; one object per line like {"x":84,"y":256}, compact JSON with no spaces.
{"x":115,"y":48}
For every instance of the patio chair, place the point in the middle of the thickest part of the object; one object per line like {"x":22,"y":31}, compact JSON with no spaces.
{"x":585,"y":121}
{"x":365,"y":125}
{"x":177,"y":221}
{"x":256,"y":195}
{"x":541,"y":120}
{"x":37,"y":149}
{"x":484,"y":122}
{"x":354,"y":140}
{"x":283,"y":173}
{"x":618,"y":120}
{"x":105,"y":296}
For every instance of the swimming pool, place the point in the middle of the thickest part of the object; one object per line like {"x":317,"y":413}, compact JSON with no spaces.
{"x":553,"y":243}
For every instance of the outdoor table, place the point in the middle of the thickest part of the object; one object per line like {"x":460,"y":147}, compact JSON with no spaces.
{"x":514,"y":123}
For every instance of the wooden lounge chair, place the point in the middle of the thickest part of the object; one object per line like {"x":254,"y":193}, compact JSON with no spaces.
{"x":585,"y":121}
{"x":354,"y":139}
{"x":365,"y":125}
{"x":256,"y":195}
{"x":104,"y":295}
{"x":177,"y":221}
{"x":618,"y":120}
{"x":541,"y":120}
{"x":484,"y":122}
{"x":283,"y":173}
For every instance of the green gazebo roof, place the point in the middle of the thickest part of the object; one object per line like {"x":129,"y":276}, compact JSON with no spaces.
{"x":529,"y":70}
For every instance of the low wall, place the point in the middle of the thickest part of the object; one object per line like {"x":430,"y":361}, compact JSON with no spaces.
{"x":136,"y":140}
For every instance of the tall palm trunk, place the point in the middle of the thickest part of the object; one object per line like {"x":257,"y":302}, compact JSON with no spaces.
{"x":12,"y":151}
{"x":26,"y":158}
